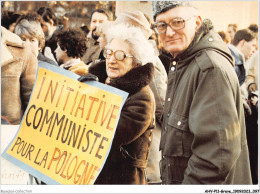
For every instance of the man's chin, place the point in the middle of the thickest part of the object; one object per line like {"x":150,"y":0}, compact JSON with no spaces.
{"x":174,"y":50}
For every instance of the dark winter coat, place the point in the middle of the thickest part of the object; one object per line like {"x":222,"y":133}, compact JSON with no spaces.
{"x":127,"y":159}
{"x":204,"y":138}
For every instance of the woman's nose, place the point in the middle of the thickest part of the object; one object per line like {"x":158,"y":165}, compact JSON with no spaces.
{"x":112,"y":59}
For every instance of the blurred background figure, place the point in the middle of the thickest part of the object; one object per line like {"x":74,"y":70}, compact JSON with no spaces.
{"x":50,"y":28}
{"x":231,"y":30}
{"x":98,"y":17}
{"x":28,"y":27}
{"x":224,"y":37}
{"x":252,"y":120}
{"x":18,"y":72}
{"x":8,"y":19}
{"x":70,"y":48}
{"x":254,"y":29}
{"x":243,"y":46}
{"x":252,"y":74}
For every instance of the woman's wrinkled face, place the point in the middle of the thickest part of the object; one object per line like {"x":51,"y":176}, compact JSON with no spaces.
{"x":114,"y":67}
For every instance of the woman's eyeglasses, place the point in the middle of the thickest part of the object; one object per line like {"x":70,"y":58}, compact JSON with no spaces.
{"x":119,"y":55}
{"x":175,"y":24}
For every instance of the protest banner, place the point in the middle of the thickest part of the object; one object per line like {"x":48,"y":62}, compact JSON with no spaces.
{"x":67,"y":130}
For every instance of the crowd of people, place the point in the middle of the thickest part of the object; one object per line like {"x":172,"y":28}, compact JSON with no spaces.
{"x":191,"y":114}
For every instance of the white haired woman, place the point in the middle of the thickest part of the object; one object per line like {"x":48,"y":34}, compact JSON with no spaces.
{"x":128,"y":67}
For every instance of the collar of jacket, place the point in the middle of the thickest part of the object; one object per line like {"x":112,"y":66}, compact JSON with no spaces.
{"x":237,"y":54}
{"x":205,"y":39}
{"x":9,"y":39}
{"x":131,"y":82}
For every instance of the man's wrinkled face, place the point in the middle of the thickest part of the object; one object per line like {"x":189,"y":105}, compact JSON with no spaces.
{"x":177,"y":41}
{"x":96,"y":20}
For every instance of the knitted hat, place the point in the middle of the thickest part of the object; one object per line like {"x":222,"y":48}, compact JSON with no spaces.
{"x":163,"y":6}
{"x":135,"y":18}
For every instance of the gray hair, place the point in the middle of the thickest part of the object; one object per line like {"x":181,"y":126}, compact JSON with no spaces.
{"x":142,"y":49}
{"x":30,"y":29}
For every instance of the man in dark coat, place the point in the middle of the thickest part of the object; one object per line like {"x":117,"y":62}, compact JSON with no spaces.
{"x":203,"y":139}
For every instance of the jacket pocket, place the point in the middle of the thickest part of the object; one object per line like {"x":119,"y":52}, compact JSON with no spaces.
{"x":179,"y":139}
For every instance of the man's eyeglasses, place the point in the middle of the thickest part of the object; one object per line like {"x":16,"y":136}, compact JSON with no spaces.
{"x":175,"y":24}
{"x":119,"y":55}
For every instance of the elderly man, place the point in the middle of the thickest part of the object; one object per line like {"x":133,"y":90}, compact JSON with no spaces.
{"x":203,"y":138}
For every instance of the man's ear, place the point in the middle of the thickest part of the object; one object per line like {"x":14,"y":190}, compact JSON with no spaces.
{"x":198,"y":23}
{"x":242,"y":43}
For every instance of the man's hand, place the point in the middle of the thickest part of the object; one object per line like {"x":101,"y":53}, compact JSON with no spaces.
{"x":254,"y":100}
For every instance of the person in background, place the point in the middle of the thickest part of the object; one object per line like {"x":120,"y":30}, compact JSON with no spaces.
{"x":252,"y":120}
{"x":224,"y":37}
{"x":203,"y":139}
{"x":252,"y":134}
{"x":28,"y":27}
{"x":70,"y":48}
{"x":158,"y":87}
{"x":8,"y":19}
{"x":252,"y":74}
{"x":18,"y":71}
{"x":98,"y":17}
{"x":128,"y":67}
{"x":50,"y":28}
{"x":243,"y":46}
{"x":102,"y":40}
{"x":254,"y":28}
{"x":231,"y":30}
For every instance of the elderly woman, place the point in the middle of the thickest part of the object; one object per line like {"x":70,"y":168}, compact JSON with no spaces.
{"x":128,"y":67}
